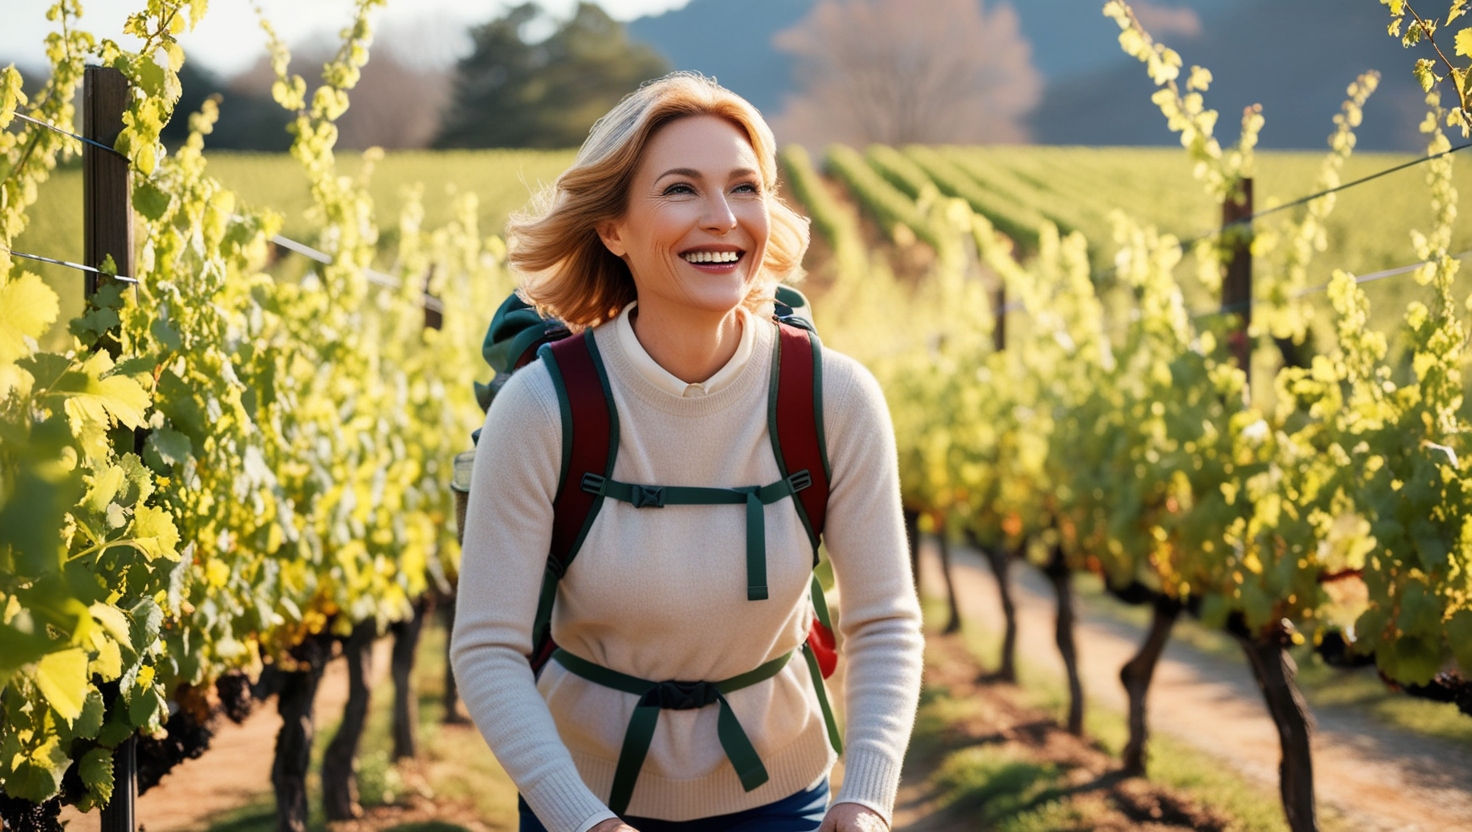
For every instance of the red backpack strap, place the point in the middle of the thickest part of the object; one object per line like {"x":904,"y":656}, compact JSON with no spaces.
{"x":795,"y":422}
{"x":589,"y":448}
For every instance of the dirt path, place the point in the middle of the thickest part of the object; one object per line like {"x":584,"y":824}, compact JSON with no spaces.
{"x":1380,"y":779}
{"x":1028,"y":752}
{"x":236,"y":769}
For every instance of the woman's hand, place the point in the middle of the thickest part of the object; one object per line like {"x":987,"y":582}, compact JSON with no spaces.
{"x":613,"y":825}
{"x":851,"y":817}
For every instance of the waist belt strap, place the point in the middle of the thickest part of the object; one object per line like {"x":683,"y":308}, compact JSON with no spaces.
{"x":675,"y":696}
{"x":754,"y":497}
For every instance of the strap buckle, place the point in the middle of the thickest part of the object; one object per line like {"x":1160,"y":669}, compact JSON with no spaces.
{"x":800,"y":481}
{"x":593,"y":483}
{"x":685,"y":696}
{"x":647,"y":496}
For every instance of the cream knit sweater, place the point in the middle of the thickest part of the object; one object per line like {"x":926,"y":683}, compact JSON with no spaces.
{"x":661,"y":594}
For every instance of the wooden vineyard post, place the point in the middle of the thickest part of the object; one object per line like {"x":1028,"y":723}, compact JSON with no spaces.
{"x":1267,"y":653}
{"x":1237,"y":272}
{"x":107,"y":231}
{"x":999,"y":325}
{"x":107,"y":205}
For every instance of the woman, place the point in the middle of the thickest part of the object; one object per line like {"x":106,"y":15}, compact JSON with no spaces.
{"x":666,"y":237}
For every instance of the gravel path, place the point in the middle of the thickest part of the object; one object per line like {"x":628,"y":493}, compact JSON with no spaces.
{"x":1376,"y":777}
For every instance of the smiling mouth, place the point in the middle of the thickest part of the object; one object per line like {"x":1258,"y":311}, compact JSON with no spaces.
{"x":712,"y":258}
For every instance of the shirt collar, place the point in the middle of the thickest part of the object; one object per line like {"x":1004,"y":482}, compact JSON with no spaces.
{"x":668,"y":382}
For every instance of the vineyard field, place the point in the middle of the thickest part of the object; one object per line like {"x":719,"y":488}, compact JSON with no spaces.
{"x":1367,"y":232}
{"x":502,"y":180}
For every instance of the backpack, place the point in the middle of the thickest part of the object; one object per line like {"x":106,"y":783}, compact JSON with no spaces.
{"x":518,"y":336}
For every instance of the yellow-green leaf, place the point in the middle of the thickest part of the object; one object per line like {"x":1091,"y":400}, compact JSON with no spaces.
{"x":112,"y":620}
{"x":109,"y":662}
{"x":1464,"y":42}
{"x":62,"y":679}
{"x":155,"y":533}
{"x":27,"y":308}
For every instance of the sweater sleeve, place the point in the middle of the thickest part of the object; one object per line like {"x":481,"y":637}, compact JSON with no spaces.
{"x":508,"y":529}
{"x":878,"y":613}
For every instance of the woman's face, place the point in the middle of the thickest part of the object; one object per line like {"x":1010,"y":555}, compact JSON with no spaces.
{"x":695,"y":230}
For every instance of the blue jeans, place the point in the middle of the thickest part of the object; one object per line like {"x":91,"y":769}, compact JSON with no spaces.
{"x":802,"y":812}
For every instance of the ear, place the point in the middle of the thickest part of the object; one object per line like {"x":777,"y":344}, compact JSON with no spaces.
{"x":611,"y":233}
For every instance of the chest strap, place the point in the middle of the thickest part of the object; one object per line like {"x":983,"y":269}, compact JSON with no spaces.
{"x":681,"y":696}
{"x":754,"y":497}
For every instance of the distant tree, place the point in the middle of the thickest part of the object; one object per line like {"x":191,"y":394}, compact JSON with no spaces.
{"x":896,"y":72}
{"x":249,"y":119}
{"x":510,"y":92}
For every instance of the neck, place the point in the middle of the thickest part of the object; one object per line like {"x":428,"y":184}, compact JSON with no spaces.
{"x":690,"y":347}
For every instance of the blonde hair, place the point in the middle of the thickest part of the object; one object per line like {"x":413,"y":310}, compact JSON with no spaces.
{"x":567,"y":271}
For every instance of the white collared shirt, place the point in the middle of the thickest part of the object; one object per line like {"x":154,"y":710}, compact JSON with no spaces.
{"x":667,"y":381}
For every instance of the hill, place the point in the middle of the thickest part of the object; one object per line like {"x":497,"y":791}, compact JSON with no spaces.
{"x":1301,"y":57}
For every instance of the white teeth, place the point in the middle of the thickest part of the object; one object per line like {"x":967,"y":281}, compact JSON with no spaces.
{"x":713,"y":256}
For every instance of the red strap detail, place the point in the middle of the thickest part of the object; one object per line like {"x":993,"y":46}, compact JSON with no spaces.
{"x":541,"y":654}
{"x":797,"y":424}
{"x":590,"y":440}
{"x":824,"y":647}
{"x":553,"y":331}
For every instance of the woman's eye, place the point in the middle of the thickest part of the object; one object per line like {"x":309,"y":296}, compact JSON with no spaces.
{"x":748,"y":188}
{"x":679,"y":188}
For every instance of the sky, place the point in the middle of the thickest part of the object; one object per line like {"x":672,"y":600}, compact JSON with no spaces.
{"x":228,"y":40}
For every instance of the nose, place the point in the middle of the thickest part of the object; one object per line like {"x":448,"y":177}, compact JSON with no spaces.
{"x":718,"y":216}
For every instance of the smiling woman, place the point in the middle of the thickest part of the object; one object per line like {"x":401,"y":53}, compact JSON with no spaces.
{"x":684,"y":690}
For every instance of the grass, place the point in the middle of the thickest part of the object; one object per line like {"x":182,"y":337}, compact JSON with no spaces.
{"x":455,"y":775}
{"x":1322,"y":685}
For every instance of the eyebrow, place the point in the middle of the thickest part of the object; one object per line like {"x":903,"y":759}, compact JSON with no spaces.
{"x":695,"y":174}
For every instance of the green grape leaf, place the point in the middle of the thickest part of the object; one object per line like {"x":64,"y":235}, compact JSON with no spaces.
{"x":101,"y":316}
{"x":147,"y":619}
{"x":150,"y":200}
{"x":144,"y":698}
{"x":19,"y":648}
{"x":95,"y":769}
{"x":104,"y":488}
{"x":1409,"y":659}
{"x":27,"y":307}
{"x":113,"y":620}
{"x":1420,"y":611}
{"x":62,"y":679}
{"x":1425,"y":73}
{"x":31,"y":519}
{"x":1459,"y":635}
{"x":115,"y":730}
{"x":167,"y":335}
{"x":37,"y":776}
{"x":46,"y":368}
{"x":90,"y":721}
{"x":109,"y":662}
{"x":124,"y":399}
{"x":178,"y":401}
{"x":154,"y":533}
{"x":166,"y":449}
